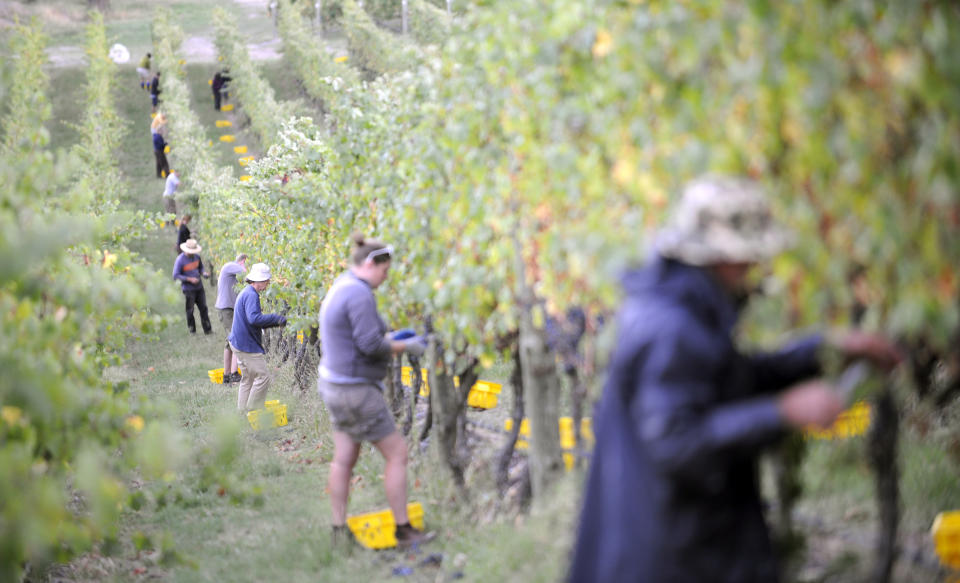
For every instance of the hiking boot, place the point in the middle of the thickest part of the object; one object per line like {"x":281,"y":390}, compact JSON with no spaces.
{"x":408,"y":536}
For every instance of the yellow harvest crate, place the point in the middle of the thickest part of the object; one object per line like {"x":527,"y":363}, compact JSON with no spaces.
{"x":484,"y":395}
{"x":852,"y":422}
{"x":166,"y":149}
{"x":227,"y":107}
{"x":246,"y":160}
{"x":341,"y":59}
{"x":375,"y":530}
{"x":406,"y":377}
{"x":274,"y":414}
{"x":300,"y":336}
{"x":224,"y":123}
{"x":566,"y":435}
{"x":209,"y":81}
{"x":228,"y":138}
{"x":182,"y":62}
{"x":239,"y":149}
{"x":216,"y":375}
{"x":946,"y":538}
{"x":245,"y":178}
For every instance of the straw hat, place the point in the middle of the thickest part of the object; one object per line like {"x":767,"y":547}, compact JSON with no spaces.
{"x":190,"y":247}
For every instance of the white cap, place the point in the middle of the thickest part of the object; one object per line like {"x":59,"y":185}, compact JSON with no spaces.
{"x":259,"y":272}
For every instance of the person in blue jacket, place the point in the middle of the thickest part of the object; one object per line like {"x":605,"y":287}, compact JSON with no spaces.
{"x":246,"y":339}
{"x":188,"y":269}
{"x":672,"y":491}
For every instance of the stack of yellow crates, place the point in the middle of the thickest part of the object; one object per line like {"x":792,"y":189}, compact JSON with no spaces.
{"x":566,"y":435}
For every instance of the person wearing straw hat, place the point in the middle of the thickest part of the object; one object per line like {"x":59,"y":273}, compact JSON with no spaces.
{"x":246,"y":339}
{"x":672,"y":492}
{"x":187,"y":269}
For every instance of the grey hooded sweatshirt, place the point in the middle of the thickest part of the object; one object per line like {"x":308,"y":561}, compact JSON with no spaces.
{"x":352,"y":333}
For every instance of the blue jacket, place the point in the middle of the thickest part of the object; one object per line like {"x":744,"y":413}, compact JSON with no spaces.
{"x":249,"y":322}
{"x":672,"y":494}
{"x":188,"y":266}
{"x":158,"y":143}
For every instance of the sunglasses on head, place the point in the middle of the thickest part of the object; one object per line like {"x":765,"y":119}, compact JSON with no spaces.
{"x":388,"y":250}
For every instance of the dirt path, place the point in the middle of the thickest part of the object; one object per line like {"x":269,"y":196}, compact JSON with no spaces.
{"x":195,"y":49}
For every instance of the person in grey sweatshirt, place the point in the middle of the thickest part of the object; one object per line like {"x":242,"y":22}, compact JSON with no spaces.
{"x":356,"y":352}
{"x":226,"y":298}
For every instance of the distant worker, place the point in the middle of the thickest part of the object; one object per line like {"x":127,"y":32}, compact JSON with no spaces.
{"x":672,"y":493}
{"x":188,"y":269}
{"x":170,"y":193}
{"x":226,"y":299}
{"x":219,"y":85}
{"x":155,"y":90}
{"x":246,"y":339}
{"x":356,"y":351}
{"x":157,"y":130}
{"x":183,"y":233}
{"x":143,"y":70}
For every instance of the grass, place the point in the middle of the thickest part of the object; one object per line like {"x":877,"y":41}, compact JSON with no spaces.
{"x":268,"y":517}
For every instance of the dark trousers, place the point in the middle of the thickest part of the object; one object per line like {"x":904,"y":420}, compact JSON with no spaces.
{"x":199,"y":298}
{"x":216,"y":99}
{"x":162,"y":165}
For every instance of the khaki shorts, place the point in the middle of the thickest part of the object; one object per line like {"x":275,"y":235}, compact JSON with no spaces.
{"x":226,"y":318}
{"x":360,"y":411}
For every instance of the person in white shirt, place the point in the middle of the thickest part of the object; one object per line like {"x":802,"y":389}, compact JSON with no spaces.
{"x":169,"y":193}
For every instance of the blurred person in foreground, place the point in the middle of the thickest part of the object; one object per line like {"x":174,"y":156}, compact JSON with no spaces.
{"x":246,"y":339}
{"x":226,"y":299}
{"x":673,"y":492}
{"x":356,"y":352}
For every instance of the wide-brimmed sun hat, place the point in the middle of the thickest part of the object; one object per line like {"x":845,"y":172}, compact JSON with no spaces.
{"x":722,"y":220}
{"x":190,"y":246}
{"x":259,"y":272}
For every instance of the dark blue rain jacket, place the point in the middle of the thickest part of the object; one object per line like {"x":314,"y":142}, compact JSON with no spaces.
{"x":672,"y":494}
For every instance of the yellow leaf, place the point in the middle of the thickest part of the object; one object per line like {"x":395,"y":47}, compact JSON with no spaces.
{"x":603,"y":44}
{"x":135,"y":422}
{"x":10,"y":414}
{"x":109,"y":259}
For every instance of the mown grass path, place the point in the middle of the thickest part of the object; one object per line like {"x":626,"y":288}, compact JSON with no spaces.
{"x":271,"y":521}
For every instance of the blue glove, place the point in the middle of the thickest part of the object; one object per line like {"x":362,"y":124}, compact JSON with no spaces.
{"x":402,"y":334}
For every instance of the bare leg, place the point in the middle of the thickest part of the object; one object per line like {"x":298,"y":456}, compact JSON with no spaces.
{"x":227,"y":359}
{"x":394,"y":450}
{"x":345,"y":454}
{"x":233,"y":362}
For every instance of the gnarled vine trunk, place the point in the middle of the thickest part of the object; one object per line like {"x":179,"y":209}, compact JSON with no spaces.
{"x":882,"y":448}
